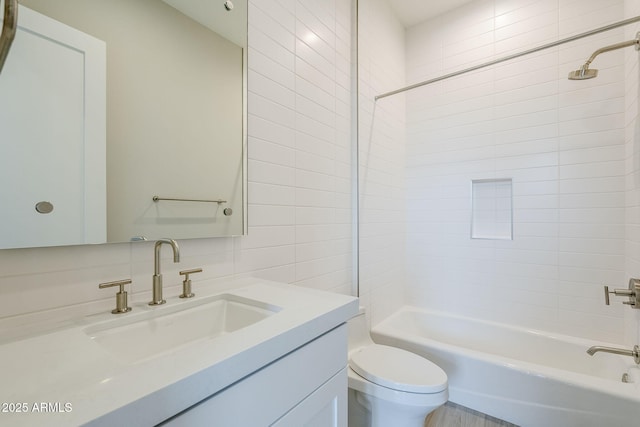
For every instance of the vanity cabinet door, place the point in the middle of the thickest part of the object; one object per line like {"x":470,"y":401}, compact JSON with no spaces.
{"x":326,"y":407}
{"x":306,"y":387}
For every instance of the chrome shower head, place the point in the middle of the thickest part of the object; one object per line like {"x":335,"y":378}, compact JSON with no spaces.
{"x":583,"y":73}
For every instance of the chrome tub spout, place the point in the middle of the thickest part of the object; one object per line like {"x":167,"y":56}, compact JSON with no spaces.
{"x":635,"y":353}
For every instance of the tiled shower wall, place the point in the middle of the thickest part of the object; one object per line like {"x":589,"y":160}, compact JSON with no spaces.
{"x":568,"y":146}
{"x":300,"y":143}
{"x":299,"y":148}
{"x":632,"y":167}
{"x":381,"y":146}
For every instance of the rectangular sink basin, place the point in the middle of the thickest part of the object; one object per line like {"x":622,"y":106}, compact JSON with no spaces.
{"x":134,"y":338}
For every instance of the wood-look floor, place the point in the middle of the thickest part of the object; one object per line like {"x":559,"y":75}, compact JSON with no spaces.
{"x":452,"y":415}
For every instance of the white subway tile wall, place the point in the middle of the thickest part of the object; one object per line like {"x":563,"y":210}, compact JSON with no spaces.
{"x":299,"y":150}
{"x":575,"y":191}
{"x":381,"y":57}
{"x":632,"y":167}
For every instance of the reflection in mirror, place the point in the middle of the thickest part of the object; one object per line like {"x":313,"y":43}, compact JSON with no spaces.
{"x":87,"y":150}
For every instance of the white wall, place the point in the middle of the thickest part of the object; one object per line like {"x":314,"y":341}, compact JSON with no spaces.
{"x":299,"y":173}
{"x":299,"y":180}
{"x":381,"y":159}
{"x":563,"y":144}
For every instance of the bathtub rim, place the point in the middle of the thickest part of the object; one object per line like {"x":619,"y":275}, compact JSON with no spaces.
{"x":627,"y":391}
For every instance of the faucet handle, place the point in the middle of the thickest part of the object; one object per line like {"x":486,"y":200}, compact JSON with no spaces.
{"x":619,"y":293}
{"x":186,"y":283}
{"x":633,"y":292}
{"x":121,"y":296}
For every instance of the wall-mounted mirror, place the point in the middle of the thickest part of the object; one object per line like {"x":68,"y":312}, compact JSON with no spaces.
{"x":123,"y":120}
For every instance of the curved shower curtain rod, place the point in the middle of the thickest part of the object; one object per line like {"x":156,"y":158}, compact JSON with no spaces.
{"x":515,"y":55}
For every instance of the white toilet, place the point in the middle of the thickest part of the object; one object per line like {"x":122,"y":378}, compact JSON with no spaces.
{"x":388,"y":386}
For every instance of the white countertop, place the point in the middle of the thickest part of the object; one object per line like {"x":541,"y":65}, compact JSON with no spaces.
{"x":58,"y":376}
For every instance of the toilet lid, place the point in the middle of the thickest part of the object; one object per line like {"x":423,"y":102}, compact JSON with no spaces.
{"x":398,"y":369}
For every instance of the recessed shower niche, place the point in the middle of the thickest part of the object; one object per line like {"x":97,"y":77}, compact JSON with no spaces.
{"x":492,"y":209}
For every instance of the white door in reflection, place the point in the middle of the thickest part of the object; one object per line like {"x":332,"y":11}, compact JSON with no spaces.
{"x":52,"y":140}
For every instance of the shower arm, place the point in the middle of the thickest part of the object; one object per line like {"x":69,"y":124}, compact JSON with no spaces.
{"x":635,"y":42}
{"x":9,"y":27}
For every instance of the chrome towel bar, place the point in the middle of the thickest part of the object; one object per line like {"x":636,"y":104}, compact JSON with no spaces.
{"x":158,"y":198}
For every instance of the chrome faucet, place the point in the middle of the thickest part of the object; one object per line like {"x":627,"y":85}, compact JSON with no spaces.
{"x":635,"y":353}
{"x":157,"y":276}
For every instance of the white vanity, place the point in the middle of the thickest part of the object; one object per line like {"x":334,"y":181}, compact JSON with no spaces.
{"x":258,"y":355}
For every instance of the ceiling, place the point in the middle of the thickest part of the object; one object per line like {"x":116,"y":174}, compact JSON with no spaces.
{"x":411,"y":12}
{"x":230,"y":24}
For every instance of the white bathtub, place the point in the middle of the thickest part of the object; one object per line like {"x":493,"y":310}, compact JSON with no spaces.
{"x":529,"y":378}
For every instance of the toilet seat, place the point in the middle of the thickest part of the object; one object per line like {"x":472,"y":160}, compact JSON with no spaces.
{"x":398,"y":369}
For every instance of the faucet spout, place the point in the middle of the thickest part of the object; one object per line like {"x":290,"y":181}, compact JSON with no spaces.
{"x":156,"y":258}
{"x":635,"y":352}
{"x":157,"y":276}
